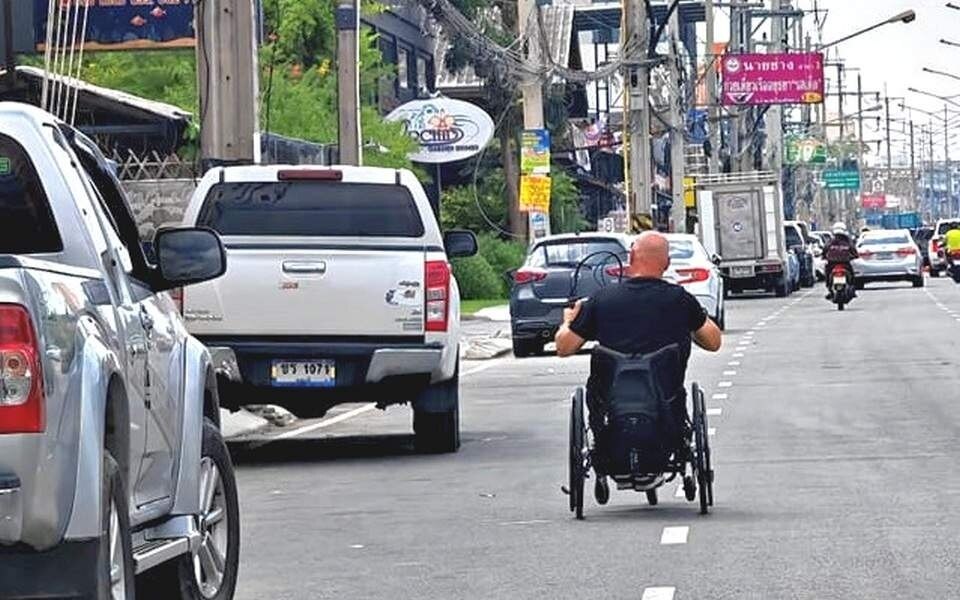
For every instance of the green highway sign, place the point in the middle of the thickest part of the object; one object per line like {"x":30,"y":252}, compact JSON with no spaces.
{"x":804,"y":151}
{"x":841,"y":180}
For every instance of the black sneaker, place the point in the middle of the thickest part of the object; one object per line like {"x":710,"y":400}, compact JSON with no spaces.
{"x":601,"y":491}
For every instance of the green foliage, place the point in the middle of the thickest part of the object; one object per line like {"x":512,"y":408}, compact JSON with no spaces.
{"x":463,"y":208}
{"x":477,"y":279}
{"x":565,"y":215}
{"x":502,"y":256}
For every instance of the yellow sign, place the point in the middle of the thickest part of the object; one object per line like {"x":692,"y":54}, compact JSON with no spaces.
{"x":535,"y":193}
{"x":689,"y":192}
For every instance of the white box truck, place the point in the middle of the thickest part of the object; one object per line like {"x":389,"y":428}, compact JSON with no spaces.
{"x":741,"y":224}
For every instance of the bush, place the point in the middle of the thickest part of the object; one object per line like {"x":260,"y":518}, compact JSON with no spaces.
{"x":477,"y":279}
{"x":502,"y":256}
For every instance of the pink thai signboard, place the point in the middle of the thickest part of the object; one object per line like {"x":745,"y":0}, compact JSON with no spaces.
{"x":764,"y":79}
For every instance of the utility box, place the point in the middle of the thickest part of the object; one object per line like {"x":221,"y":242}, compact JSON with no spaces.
{"x":23,"y":27}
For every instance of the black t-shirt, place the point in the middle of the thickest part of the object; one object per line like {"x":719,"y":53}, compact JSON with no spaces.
{"x":641,"y":316}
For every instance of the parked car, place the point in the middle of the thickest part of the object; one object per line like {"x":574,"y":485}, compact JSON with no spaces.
{"x":888,"y":255}
{"x":111,"y":459}
{"x":558,"y":270}
{"x":698,"y":272}
{"x":921,"y":237}
{"x":339,"y":289}
{"x":938,"y":262}
{"x":797,"y":241}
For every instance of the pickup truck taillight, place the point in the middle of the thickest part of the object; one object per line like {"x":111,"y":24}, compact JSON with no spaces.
{"x":21,"y":381}
{"x":176,"y":295}
{"x":437,"y":298}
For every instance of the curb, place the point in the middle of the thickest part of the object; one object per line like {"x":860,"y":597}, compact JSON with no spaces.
{"x":240,"y":423}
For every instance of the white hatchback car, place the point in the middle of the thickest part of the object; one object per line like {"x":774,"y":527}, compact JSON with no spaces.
{"x":694,"y":269}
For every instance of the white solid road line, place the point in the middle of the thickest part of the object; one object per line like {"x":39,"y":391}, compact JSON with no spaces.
{"x":674,"y":535}
{"x":321,"y":424}
{"x":658,"y":593}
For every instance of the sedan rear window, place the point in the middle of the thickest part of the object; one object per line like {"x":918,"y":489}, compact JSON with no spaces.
{"x":27,"y":225}
{"x":882,"y":240}
{"x":311,"y":209}
{"x":942,"y":228}
{"x":681,"y":250}
{"x":571,"y":253}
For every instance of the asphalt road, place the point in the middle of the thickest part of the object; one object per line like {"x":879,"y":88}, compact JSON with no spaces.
{"x":837,"y":477}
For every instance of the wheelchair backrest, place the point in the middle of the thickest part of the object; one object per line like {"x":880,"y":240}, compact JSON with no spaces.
{"x":632,"y":384}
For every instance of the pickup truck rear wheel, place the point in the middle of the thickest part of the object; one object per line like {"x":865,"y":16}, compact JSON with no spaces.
{"x":439,"y":432}
{"x":116,"y":552}
{"x":211,"y":572}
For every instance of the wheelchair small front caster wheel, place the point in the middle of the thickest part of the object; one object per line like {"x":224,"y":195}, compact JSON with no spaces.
{"x":652,"y":497}
{"x":601,"y":491}
{"x":689,"y":488}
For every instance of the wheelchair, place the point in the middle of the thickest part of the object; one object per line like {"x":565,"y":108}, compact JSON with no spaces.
{"x":637,"y":403}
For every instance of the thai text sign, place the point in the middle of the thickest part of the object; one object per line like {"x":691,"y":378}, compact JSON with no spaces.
{"x":874,"y":201}
{"x":535,"y":193}
{"x":764,"y":79}
{"x":535,"y":152}
{"x":119,"y":24}
{"x":841,"y":180}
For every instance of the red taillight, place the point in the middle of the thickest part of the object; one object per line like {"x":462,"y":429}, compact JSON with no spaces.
{"x":838,"y":270}
{"x":616,"y":271}
{"x":935,"y":245}
{"x":437,"y":298}
{"x":865,"y":254}
{"x":908,"y":251}
{"x":176,"y":295}
{"x":529,"y":275}
{"x":309,"y":175}
{"x":21,"y":380}
{"x":685,"y":276}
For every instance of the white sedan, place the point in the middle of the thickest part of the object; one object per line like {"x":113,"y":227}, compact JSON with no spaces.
{"x":693,"y":268}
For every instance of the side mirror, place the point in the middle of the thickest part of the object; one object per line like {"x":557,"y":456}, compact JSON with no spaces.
{"x":188,"y":256}
{"x":460,"y":244}
{"x":715,"y":259}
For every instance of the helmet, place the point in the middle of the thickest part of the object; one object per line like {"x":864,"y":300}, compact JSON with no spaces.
{"x":839,"y":228}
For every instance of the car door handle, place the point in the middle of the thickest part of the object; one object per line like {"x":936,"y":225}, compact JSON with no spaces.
{"x":303,"y":267}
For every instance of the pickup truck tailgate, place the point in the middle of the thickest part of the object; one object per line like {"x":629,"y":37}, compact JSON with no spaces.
{"x":312,"y":290}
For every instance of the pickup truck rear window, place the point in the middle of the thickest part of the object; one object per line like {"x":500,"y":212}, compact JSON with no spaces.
{"x":27,"y":225}
{"x":311,"y":208}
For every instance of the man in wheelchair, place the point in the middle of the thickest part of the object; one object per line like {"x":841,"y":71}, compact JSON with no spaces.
{"x":643,"y":315}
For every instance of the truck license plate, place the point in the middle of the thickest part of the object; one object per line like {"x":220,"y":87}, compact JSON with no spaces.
{"x":304,"y":373}
{"x":741,"y":272}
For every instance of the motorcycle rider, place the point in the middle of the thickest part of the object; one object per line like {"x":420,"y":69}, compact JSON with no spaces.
{"x":840,"y":251}
{"x":951,"y":247}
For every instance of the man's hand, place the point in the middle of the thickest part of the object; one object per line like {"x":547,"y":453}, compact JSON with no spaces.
{"x":569,"y":314}
{"x":569,"y":343}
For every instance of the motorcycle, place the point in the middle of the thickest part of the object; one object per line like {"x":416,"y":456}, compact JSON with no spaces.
{"x":841,"y":287}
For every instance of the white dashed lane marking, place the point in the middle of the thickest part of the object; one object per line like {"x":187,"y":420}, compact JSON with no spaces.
{"x":711,"y":431}
{"x":725,"y":384}
{"x":658,"y":593}
{"x":720,"y":396}
{"x":729,"y":373}
{"x":733,"y":363}
{"x":674,"y":535}
{"x":738,"y":355}
{"x":714,"y":412}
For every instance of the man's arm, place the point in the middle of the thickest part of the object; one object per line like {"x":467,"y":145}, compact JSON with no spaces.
{"x":708,"y":336}
{"x":568,"y":342}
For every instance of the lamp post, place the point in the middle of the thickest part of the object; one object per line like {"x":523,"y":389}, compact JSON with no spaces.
{"x":907,"y":16}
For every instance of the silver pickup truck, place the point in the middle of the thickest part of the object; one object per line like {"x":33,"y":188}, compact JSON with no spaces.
{"x":114,"y":479}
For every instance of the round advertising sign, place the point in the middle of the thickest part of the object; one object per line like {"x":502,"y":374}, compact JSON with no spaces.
{"x":446,"y":130}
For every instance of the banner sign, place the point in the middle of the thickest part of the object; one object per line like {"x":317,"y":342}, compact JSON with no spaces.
{"x":873,"y":201}
{"x":841,"y":180}
{"x":765,"y":79}
{"x":124,"y":24}
{"x":446,"y":130}
{"x":535,"y":193}
{"x":808,"y":151}
{"x":535,"y":152}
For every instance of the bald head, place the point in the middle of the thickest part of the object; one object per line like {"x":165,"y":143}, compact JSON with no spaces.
{"x":649,"y":255}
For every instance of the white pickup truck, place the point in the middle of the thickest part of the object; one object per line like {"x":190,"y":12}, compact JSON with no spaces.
{"x":338,"y":290}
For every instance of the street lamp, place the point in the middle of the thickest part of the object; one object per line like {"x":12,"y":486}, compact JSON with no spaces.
{"x":907,"y":16}
{"x":947,"y":99}
{"x":941,"y":73}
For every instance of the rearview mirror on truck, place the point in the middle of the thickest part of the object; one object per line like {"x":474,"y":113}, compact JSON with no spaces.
{"x":460,"y":244}
{"x":188,"y":256}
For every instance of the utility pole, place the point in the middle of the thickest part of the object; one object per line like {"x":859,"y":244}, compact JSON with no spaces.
{"x":886,"y":102}
{"x":913,"y":170}
{"x":713,"y":98}
{"x":860,"y":133}
{"x":532,"y":90}
{"x":348,"y":81}
{"x":229,"y":85}
{"x":678,"y":210}
{"x":637,"y":110}
{"x":946,"y":161}
{"x":775,"y":113}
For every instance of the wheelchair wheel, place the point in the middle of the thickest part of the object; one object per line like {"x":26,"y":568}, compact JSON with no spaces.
{"x":578,"y":453}
{"x":701,"y":449}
